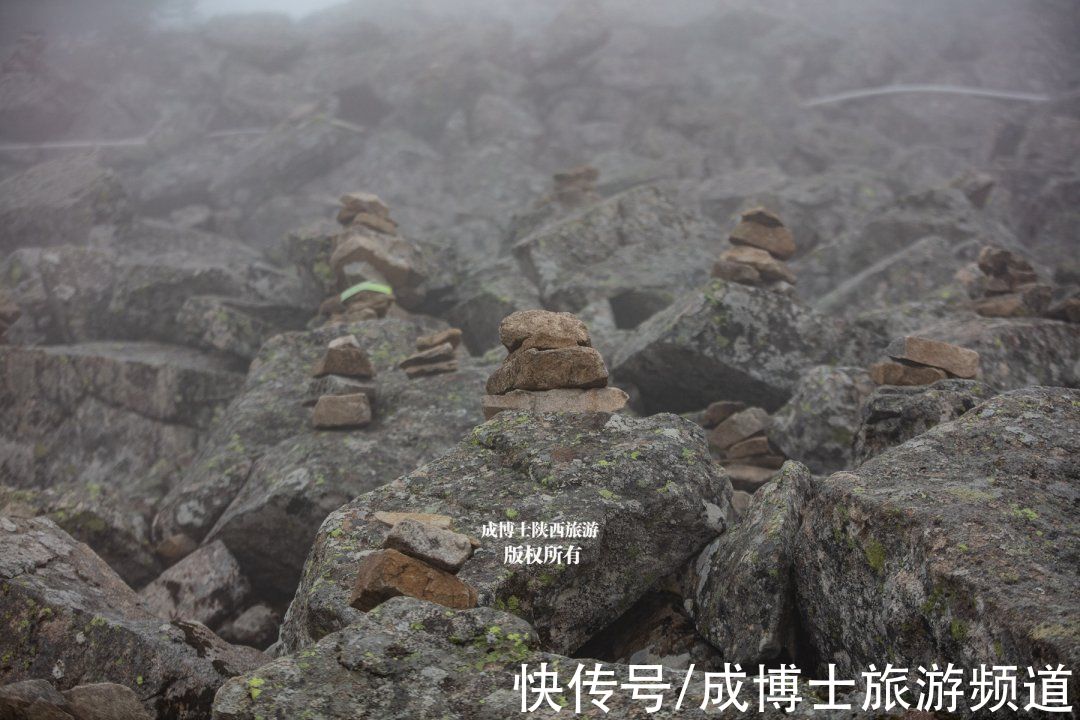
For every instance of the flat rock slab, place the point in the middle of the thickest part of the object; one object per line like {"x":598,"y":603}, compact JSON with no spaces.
{"x":383,"y":574}
{"x":739,"y":427}
{"x":444,"y":549}
{"x":957,"y":361}
{"x":649,"y":484}
{"x":565,"y":367}
{"x":609,"y":400}
{"x":956,"y":546}
{"x":333,"y":412}
{"x":543,"y":330}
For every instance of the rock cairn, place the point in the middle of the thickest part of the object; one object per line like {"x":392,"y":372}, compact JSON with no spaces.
{"x":921,"y":361}
{"x":436,"y":354}
{"x":1011,"y":288}
{"x":761,"y":245}
{"x":343,"y":394}
{"x":738,"y":438}
{"x":576,"y":187}
{"x":419,"y":558}
{"x":372,"y":265}
{"x":551,"y":366}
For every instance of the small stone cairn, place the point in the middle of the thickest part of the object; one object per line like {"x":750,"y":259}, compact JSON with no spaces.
{"x":436,"y":354}
{"x":343,"y":396}
{"x":761,"y":245}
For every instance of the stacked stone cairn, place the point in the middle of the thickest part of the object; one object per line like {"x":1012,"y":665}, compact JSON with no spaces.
{"x":372,"y":265}
{"x":1011,"y":288}
{"x":738,"y":438}
{"x":436,"y":354}
{"x":551,"y":366}
{"x":341,"y":389}
{"x":761,"y":245}
{"x":576,"y":187}
{"x":420,"y":558}
{"x":922,"y":361}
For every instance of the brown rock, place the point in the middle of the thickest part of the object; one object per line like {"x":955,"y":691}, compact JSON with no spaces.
{"x":346,"y":360}
{"x":769,"y":267}
{"x":384,"y":574}
{"x":360,"y":202}
{"x":105,"y":701}
{"x":438,"y":354}
{"x":341,"y":411}
{"x":748,"y":478}
{"x":893,"y":373}
{"x":761,"y":216}
{"x":954,"y":360}
{"x":607,"y":400}
{"x":432,"y":369}
{"x":564,"y":367}
{"x":1067,"y":310}
{"x":774,"y":239}
{"x":391,"y":255}
{"x":175,"y":548}
{"x":374,"y":222}
{"x":736,"y":272}
{"x":452,"y":336}
{"x":331,"y":306}
{"x":393,"y":518}
{"x":757,"y":445}
{"x":720,"y":411}
{"x":739,"y":426}
{"x":367,"y":305}
{"x":1028,"y":301}
{"x":542,"y":330}
{"x":1006,"y":265}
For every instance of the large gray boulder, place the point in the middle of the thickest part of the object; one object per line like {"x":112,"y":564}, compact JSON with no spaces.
{"x":726,"y":341}
{"x":266,"y":478}
{"x":649,"y":484}
{"x":70,"y":618}
{"x":958,"y":546}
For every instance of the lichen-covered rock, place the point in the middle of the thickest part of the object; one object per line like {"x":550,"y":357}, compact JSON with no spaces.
{"x":958,"y":546}
{"x":206,"y":586}
{"x":893,"y":415}
{"x":485,"y":295}
{"x":818,"y":424}
{"x":266,"y":478}
{"x":93,"y":435}
{"x":744,"y":594}
{"x":68,"y":617}
{"x":648,"y":484}
{"x":729,"y":342}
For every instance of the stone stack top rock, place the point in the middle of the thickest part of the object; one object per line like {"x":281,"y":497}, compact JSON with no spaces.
{"x":549,"y":351}
{"x":761,"y":245}
{"x":436,"y":354}
{"x":915,"y":361}
{"x":739,"y":440}
{"x":367,"y":210}
{"x":1012,"y":289}
{"x":343,"y":399}
{"x":345,"y":357}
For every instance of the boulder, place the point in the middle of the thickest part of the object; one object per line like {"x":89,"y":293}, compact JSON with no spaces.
{"x":648,"y":484}
{"x":205,"y":586}
{"x":105,"y":701}
{"x":384,"y":574}
{"x":818,"y":425}
{"x":607,"y":400}
{"x":743,"y":595}
{"x":69,"y":617}
{"x":893,"y":415}
{"x":256,"y":627}
{"x":730,"y":342}
{"x":485,"y":295}
{"x":564,"y":367}
{"x":957,"y":361}
{"x":739,"y":427}
{"x":956,"y":546}
{"x":443,"y":549}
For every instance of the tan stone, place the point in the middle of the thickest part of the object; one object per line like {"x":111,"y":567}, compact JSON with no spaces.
{"x":1006,"y":265}
{"x":391,"y":255}
{"x":392,"y":518}
{"x":175,"y":548}
{"x":1027,"y":301}
{"x":102,"y":701}
{"x":739,"y":426}
{"x":761,"y":216}
{"x":953,"y":359}
{"x":360,"y":202}
{"x":346,"y":360}
{"x":736,"y":272}
{"x":757,"y":445}
{"x":437,"y":354}
{"x":769,"y":267}
{"x":341,"y":411}
{"x":776,"y":240}
{"x":542,"y":330}
{"x":892,"y":373}
{"x":747,"y":477}
{"x":374,"y":222}
{"x":451,"y":335}
{"x":565,"y":367}
{"x":444,"y":549}
{"x":437,"y":368}
{"x":344,"y":341}
{"x":367,"y":304}
{"x":720,"y":411}
{"x":607,"y":400}
{"x":384,"y":574}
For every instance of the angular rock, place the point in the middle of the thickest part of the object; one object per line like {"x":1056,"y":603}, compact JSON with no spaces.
{"x":775,"y":239}
{"x":436,"y":354}
{"x":818,"y":425}
{"x":565,"y":367}
{"x":256,"y":627}
{"x":720,"y":411}
{"x":354,"y":203}
{"x":484,"y":297}
{"x":69,"y":617}
{"x":205,"y":586}
{"x":893,"y":415}
{"x":607,"y":400}
{"x":937,"y":550}
{"x":542,"y":330}
{"x":105,"y":701}
{"x":384,"y":574}
{"x":738,"y":427}
{"x":736,"y":272}
{"x":381,"y":225}
{"x":895,"y":373}
{"x":452,"y":336}
{"x":1028,"y":301}
{"x":443,"y":549}
{"x":341,"y":411}
{"x":744,"y":598}
{"x":648,"y":483}
{"x":437,"y":368}
{"x":729,"y":342}
{"x":397,"y":260}
{"x":1000,"y":263}
{"x":746,"y":448}
{"x":345,"y":360}
{"x":767,"y":266}
{"x":957,"y":361}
